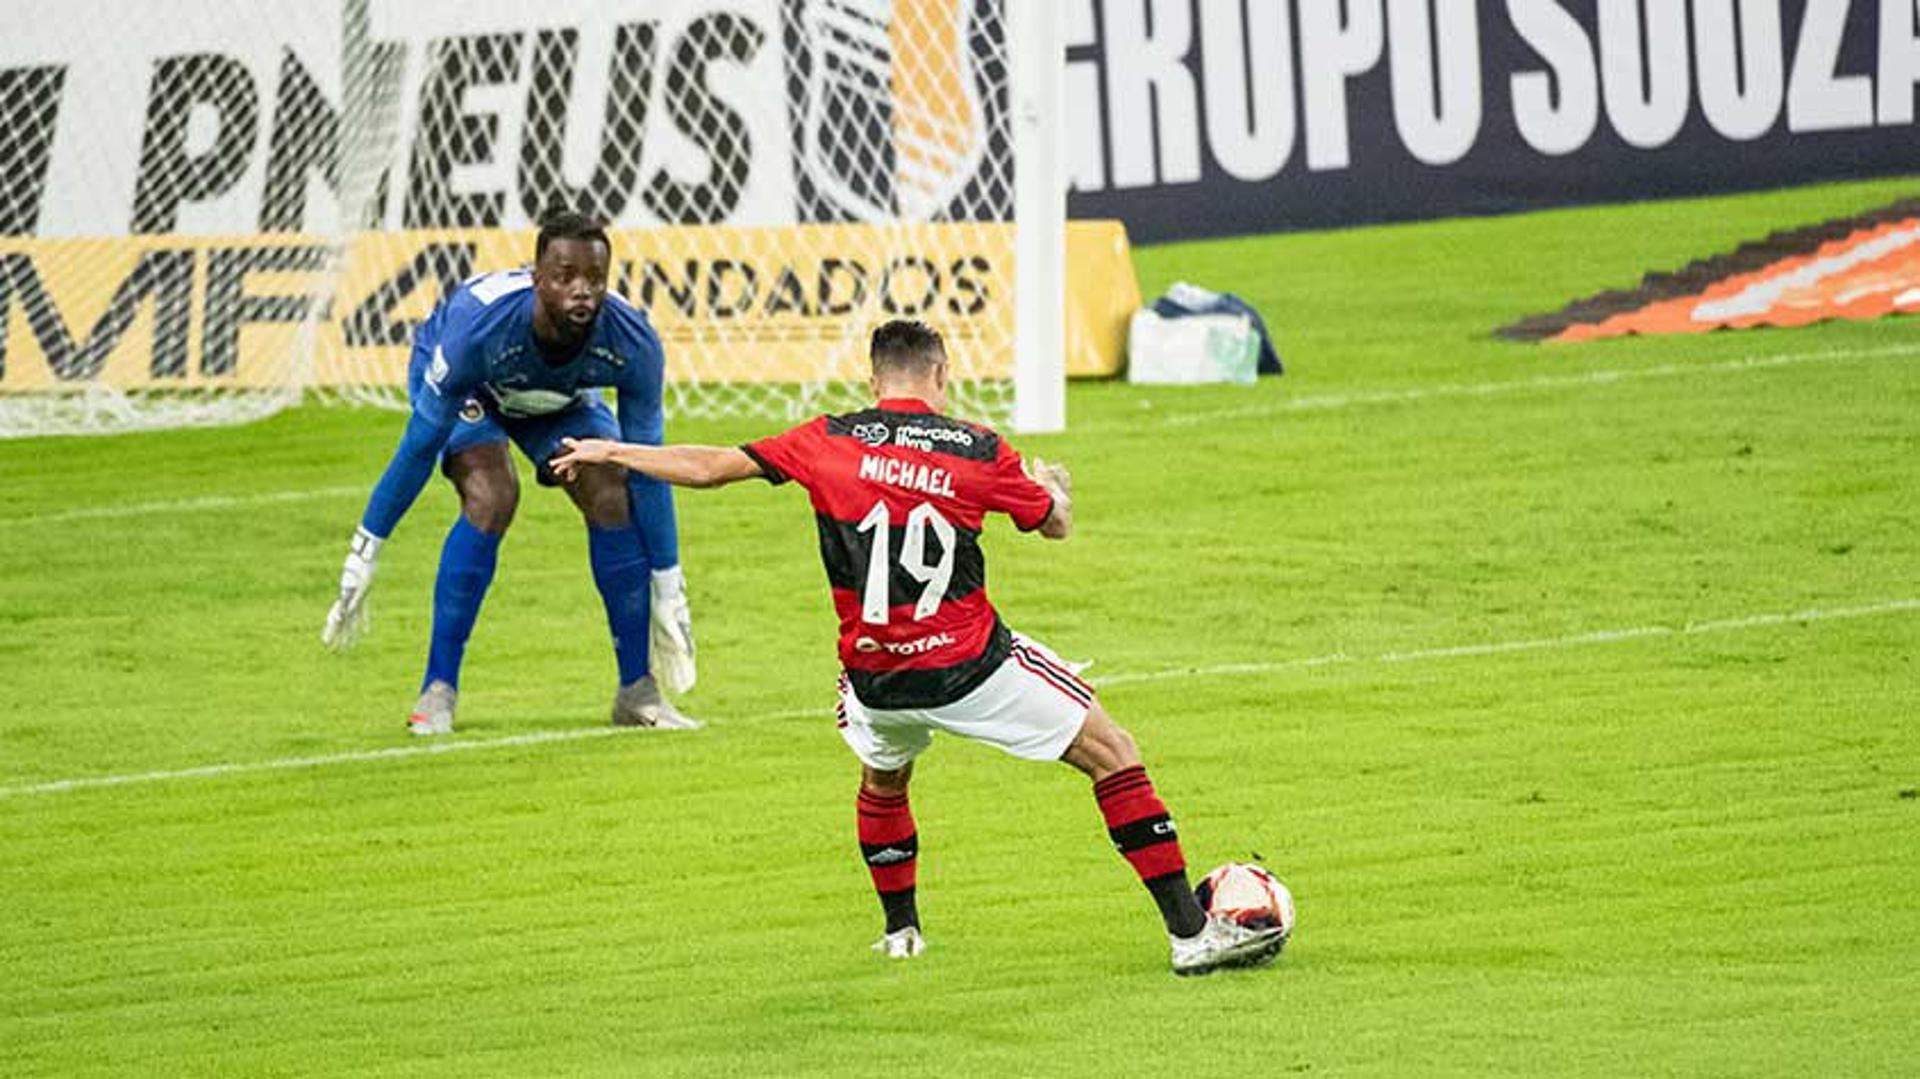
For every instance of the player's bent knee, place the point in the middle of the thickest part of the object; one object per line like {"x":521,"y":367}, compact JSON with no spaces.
{"x":490,"y":510}
{"x":489,"y":489}
{"x":488,"y":499}
{"x":1102,"y":747}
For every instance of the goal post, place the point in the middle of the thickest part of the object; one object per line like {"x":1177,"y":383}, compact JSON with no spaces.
{"x":1040,"y":215}
{"x":212,"y":209}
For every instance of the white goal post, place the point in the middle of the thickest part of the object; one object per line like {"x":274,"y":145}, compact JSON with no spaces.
{"x":213,"y":209}
{"x":1040,"y":215}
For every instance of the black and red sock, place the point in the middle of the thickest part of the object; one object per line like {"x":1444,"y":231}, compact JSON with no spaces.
{"x":891,"y":846}
{"x":1145,"y":836}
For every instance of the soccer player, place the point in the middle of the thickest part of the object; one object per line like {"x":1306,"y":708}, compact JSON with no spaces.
{"x":900,"y":493}
{"x":518,"y":355}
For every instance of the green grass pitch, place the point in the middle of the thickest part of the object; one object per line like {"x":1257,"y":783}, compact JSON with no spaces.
{"x":1572,"y":689}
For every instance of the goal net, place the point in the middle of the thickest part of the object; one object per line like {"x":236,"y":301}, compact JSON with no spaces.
{"x":211,"y":209}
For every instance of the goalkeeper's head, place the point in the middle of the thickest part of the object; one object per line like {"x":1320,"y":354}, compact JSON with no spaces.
{"x":570,"y":261}
{"x":909,"y":360}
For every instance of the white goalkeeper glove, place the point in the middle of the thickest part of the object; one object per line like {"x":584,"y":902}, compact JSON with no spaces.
{"x":347,"y":618}
{"x":672,"y":631}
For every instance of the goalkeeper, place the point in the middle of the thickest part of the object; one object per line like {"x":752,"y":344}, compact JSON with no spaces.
{"x":518,"y":355}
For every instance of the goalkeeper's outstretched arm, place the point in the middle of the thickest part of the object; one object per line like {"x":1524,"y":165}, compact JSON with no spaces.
{"x":682,"y":466}
{"x":406,"y":475}
{"x":399,"y":485}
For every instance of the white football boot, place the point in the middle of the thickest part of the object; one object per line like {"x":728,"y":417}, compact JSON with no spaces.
{"x":434,"y":713}
{"x":1224,"y":943}
{"x":639,"y":704}
{"x":901,"y":943}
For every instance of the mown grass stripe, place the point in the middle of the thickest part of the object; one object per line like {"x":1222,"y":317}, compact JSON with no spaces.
{"x":1605,"y":636}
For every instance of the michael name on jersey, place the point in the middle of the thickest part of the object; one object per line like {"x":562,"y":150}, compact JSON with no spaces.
{"x":914,"y":477}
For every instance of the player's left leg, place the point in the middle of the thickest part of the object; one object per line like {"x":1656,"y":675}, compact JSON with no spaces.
{"x":1137,"y":820}
{"x":1036,"y":707}
{"x":616,"y":551}
{"x":1144,"y":833}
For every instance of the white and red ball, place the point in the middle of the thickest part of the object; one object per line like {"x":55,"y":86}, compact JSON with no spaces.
{"x":1249,"y":895}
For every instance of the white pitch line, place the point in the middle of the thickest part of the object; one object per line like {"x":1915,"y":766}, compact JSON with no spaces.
{"x":283,"y":763}
{"x":1222,"y":669}
{"x":1492,"y":648}
{"x":1605,"y":636}
{"x":182,"y":505}
{"x":1454,"y":390}
{"x":1757,"y":620}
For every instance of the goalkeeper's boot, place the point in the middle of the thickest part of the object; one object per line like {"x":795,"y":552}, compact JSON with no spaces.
{"x":434,"y":713}
{"x":639,"y":704}
{"x":1223,"y":943}
{"x":901,"y":943}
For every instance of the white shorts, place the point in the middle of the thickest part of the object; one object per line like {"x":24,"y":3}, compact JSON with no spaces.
{"x":1032,"y":707}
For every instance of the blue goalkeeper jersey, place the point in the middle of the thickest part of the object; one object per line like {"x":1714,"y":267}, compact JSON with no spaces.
{"x":479,"y":344}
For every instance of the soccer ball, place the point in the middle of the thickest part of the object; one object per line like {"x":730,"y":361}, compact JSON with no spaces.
{"x":1248,"y":895}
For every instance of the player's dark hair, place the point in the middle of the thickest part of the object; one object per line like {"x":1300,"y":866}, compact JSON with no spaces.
{"x":906,"y":343}
{"x":560,"y":224}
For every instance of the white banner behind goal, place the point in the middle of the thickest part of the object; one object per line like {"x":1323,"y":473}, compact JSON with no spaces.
{"x":210,"y":208}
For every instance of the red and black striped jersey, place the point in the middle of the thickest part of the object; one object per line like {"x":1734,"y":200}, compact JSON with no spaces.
{"x":900,"y":494}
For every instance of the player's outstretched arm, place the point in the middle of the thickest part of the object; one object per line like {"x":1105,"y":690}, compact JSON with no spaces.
{"x":399,"y":485}
{"x":682,"y":466}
